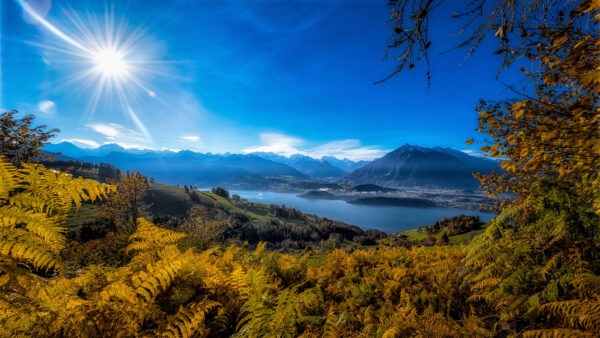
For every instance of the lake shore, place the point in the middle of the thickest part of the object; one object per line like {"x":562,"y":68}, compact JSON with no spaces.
{"x":390,"y":219}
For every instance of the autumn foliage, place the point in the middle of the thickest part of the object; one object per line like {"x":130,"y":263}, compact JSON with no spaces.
{"x":534,"y":272}
{"x":552,"y":133}
{"x":20,"y":141}
{"x":125,"y":203}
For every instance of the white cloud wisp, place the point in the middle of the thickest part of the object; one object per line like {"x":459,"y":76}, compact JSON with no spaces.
{"x":287,"y":145}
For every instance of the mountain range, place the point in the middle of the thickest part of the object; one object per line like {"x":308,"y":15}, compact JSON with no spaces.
{"x":315,"y":168}
{"x":206,"y":169}
{"x":406,"y":166}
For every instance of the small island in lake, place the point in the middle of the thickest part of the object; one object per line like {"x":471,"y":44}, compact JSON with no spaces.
{"x":318,"y":194}
{"x":394,"y":201}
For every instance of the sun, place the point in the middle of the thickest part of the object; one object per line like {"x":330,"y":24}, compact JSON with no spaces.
{"x":110,"y":62}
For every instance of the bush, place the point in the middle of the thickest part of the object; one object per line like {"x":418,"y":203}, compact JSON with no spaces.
{"x":221,"y":192}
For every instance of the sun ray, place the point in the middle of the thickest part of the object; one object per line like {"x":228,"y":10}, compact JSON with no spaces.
{"x":49,"y":26}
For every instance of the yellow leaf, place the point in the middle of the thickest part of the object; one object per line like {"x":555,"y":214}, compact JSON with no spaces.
{"x":469,"y":142}
{"x":517,"y":106}
{"x":519,"y":113}
{"x":549,"y":135}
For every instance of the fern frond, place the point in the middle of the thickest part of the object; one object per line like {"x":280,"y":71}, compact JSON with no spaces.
{"x":119,"y":290}
{"x":59,"y":190}
{"x":39,"y":224}
{"x":257,"y":311}
{"x":26,"y":200}
{"x":576,"y":313}
{"x":8,"y":178}
{"x":330,"y":327}
{"x":587,"y":284}
{"x":260,"y":248}
{"x":238,"y":282}
{"x":188,"y":321}
{"x":159,"y":276}
{"x":286,"y":313}
{"x":557,"y":333}
{"x":487,"y":284}
{"x":551,"y":265}
{"x":150,"y":237}
{"x":22,"y":246}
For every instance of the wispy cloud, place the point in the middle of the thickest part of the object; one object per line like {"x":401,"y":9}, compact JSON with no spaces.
{"x":130,"y":145}
{"x":110,"y":130}
{"x":116,"y":133}
{"x":82,"y":142}
{"x":287,"y":145}
{"x":47,"y":107}
{"x":351,"y":149}
{"x":191,"y":138}
{"x":277,"y":143}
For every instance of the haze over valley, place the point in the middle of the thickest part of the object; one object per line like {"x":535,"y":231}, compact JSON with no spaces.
{"x":410,"y":176}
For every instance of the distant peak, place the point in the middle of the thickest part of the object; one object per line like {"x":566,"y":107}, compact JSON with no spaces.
{"x":410,"y":147}
{"x":111,"y":146}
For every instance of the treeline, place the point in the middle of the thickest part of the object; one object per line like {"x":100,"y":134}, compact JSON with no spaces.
{"x":284,"y":212}
{"x":103,"y":172}
{"x":454,"y":225}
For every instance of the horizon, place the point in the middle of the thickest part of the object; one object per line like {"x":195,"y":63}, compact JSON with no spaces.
{"x":139,"y":75}
{"x":474,"y":153}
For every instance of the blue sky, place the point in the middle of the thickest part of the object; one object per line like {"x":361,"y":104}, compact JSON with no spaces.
{"x":233,"y":76}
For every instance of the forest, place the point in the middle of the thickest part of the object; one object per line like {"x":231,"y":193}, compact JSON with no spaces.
{"x":533,"y":272}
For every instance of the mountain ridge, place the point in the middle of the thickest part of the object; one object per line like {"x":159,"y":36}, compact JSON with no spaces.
{"x":314,"y":168}
{"x":408,"y":165}
{"x":411,"y":165}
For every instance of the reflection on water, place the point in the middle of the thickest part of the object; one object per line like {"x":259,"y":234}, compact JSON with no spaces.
{"x":384,"y":218}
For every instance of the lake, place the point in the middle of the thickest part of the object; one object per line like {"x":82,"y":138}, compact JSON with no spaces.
{"x":384,"y":218}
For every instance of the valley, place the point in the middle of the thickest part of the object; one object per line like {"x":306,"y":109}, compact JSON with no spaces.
{"x":407,"y":196}
{"x":408,"y":176}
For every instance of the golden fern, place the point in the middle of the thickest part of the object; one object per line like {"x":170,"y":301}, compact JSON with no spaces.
{"x":587,"y":284}
{"x":33,"y":202}
{"x":286,"y":314}
{"x":189,"y":321}
{"x":23,"y":246}
{"x":256,"y":312}
{"x":260,"y":248}
{"x":577,"y":314}
{"x":557,"y":333}
{"x":158,"y":276}
{"x":9,"y":179}
{"x":237,"y":280}
{"x":47,"y":228}
{"x":149,"y":237}
{"x":58,"y":190}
